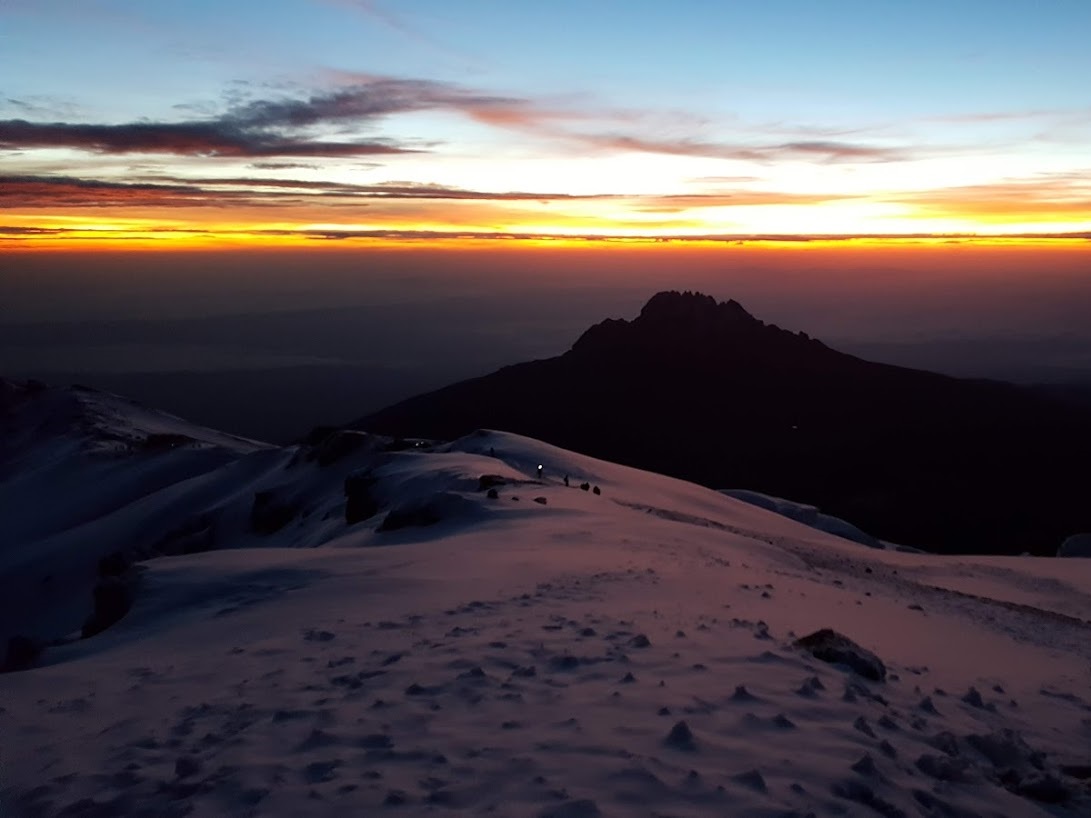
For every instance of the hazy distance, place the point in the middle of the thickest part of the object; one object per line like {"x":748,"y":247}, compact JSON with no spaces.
{"x":271,"y":343}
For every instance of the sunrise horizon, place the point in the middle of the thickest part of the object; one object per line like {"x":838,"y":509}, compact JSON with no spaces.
{"x":320,"y":120}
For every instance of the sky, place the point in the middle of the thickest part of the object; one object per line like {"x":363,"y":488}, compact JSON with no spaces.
{"x":317,"y":122}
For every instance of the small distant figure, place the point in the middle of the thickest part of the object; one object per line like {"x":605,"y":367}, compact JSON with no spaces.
{"x":566,"y":480}
{"x":596,"y":490}
{"x":585,"y":486}
{"x":492,"y":452}
{"x":540,"y":471}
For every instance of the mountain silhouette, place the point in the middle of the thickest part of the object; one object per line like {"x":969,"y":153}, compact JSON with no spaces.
{"x":707,"y":392}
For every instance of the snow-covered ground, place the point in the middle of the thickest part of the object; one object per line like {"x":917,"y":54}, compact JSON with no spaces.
{"x":808,"y":515}
{"x":623,"y":653}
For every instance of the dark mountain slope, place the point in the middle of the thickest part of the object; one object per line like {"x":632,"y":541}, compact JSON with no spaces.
{"x":706,"y":392}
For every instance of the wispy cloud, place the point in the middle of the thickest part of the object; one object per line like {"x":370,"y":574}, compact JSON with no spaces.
{"x":40,"y":106}
{"x":824,"y":151}
{"x":369,"y":100}
{"x":413,"y":32}
{"x":833,"y":151}
{"x":1041,"y":198}
{"x":408,"y":95}
{"x":37,"y":192}
{"x":265,"y":128}
{"x":50,"y":191}
{"x":1067,"y":114}
{"x":741,"y":198}
{"x":294,"y":126}
{"x":16,"y":231}
{"x":281,"y":166}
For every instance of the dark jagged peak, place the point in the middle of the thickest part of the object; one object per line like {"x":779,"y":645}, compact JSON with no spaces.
{"x":693,"y":322}
{"x":671,"y":306}
{"x":704,"y":391}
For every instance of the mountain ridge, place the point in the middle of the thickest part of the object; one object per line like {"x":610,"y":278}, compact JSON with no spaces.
{"x":707,"y":392}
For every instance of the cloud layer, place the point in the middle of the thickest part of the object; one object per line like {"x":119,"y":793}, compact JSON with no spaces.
{"x":213,"y":138}
{"x":299,"y":127}
{"x":744,"y":180}
{"x":272,"y":127}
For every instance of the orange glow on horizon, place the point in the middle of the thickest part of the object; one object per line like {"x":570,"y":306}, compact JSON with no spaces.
{"x":51,"y":213}
{"x":87,"y":237}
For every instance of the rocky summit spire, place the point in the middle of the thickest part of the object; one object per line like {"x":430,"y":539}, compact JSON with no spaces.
{"x":693,"y":323}
{"x":692,"y":307}
{"x":702,"y":390}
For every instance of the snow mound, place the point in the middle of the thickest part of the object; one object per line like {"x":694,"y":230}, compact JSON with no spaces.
{"x":806,"y":514}
{"x":101,"y":422}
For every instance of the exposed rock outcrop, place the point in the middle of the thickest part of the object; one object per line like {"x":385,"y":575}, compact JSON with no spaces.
{"x":835,"y":648}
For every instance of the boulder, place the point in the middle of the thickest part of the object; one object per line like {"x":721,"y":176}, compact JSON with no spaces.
{"x":360,"y":503}
{"x":830,"y":646}
{"x":1043,"y":787}
{"x":192,"y":536}
{"x":1006,"y":749}
{"x":441,"y":506}
{"x":339,"y":444}
{"x":408,"y":517}
{"x":488,"y":481}
{"x":22,"y":653}
{"x":113,"y":597}
{"x":162,"y":441}
{"x":269,"y":514}
{"x":1078,"y":545}
{"x":317,"y":434}
{"x":114,"y":564}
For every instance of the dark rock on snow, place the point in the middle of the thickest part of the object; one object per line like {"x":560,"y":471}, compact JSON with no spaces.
{"x":680,"y":737}
{"x":22,"y":653}
{"x":113,"y":597}
{"x":830,"y":646}
{"x":269,"y":514}
{"x":360,"y":504}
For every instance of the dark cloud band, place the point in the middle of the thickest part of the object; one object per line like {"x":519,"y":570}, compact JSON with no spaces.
{"x":212,"y":138}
